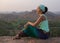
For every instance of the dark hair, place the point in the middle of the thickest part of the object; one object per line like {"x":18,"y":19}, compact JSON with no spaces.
{"x":46,"y":9}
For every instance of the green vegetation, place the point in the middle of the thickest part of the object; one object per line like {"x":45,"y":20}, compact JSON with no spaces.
{"x":10,"y":28}
{"x":54,"y":28}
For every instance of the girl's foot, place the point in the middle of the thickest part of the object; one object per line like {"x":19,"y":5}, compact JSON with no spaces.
{"x":16,"y":38}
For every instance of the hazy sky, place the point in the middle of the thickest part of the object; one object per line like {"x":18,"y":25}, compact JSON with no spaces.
{"x":22,"y":5}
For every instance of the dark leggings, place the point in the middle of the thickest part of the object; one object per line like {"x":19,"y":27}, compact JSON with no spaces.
{"x":35,"y":32}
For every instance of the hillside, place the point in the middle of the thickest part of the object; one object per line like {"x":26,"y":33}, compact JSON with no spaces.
{"x":10,"y":23}
{"x":27,"y":16}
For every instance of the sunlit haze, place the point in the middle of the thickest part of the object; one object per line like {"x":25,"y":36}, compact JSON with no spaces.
{"x":28,"y":5}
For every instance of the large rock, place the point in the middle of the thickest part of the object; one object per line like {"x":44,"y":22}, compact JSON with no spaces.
{"x":8,"y":39}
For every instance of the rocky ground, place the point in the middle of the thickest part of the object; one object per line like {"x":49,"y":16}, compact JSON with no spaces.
{"x":8,"y":39}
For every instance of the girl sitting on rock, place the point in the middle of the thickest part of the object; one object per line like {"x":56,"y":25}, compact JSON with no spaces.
{"x":30,"y":29}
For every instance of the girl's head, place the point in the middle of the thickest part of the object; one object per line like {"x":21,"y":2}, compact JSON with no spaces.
{"x":41,"y":9}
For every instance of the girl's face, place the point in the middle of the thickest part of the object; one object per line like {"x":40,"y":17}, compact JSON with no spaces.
{"x":38,"y":10}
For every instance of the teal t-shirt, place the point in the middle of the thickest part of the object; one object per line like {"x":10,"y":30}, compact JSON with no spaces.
{"x":44,"y":24}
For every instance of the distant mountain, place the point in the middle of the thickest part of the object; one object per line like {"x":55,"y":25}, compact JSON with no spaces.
{"x":27,"y":16}
{"x":58,"y":13}
{"x":51,"y":16}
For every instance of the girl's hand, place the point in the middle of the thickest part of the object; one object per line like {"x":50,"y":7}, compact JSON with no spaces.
{"x":26,"y":24}
{"x":29,"y":23}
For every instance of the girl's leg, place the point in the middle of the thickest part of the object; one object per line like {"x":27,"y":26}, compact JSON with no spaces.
{"x":35,"y":32}
{"x":31,"y":31}
{"x":19,"y":35}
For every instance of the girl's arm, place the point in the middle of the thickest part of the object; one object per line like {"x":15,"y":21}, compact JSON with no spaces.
{"x":39,"y":20}
{"x":36,"y":22}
